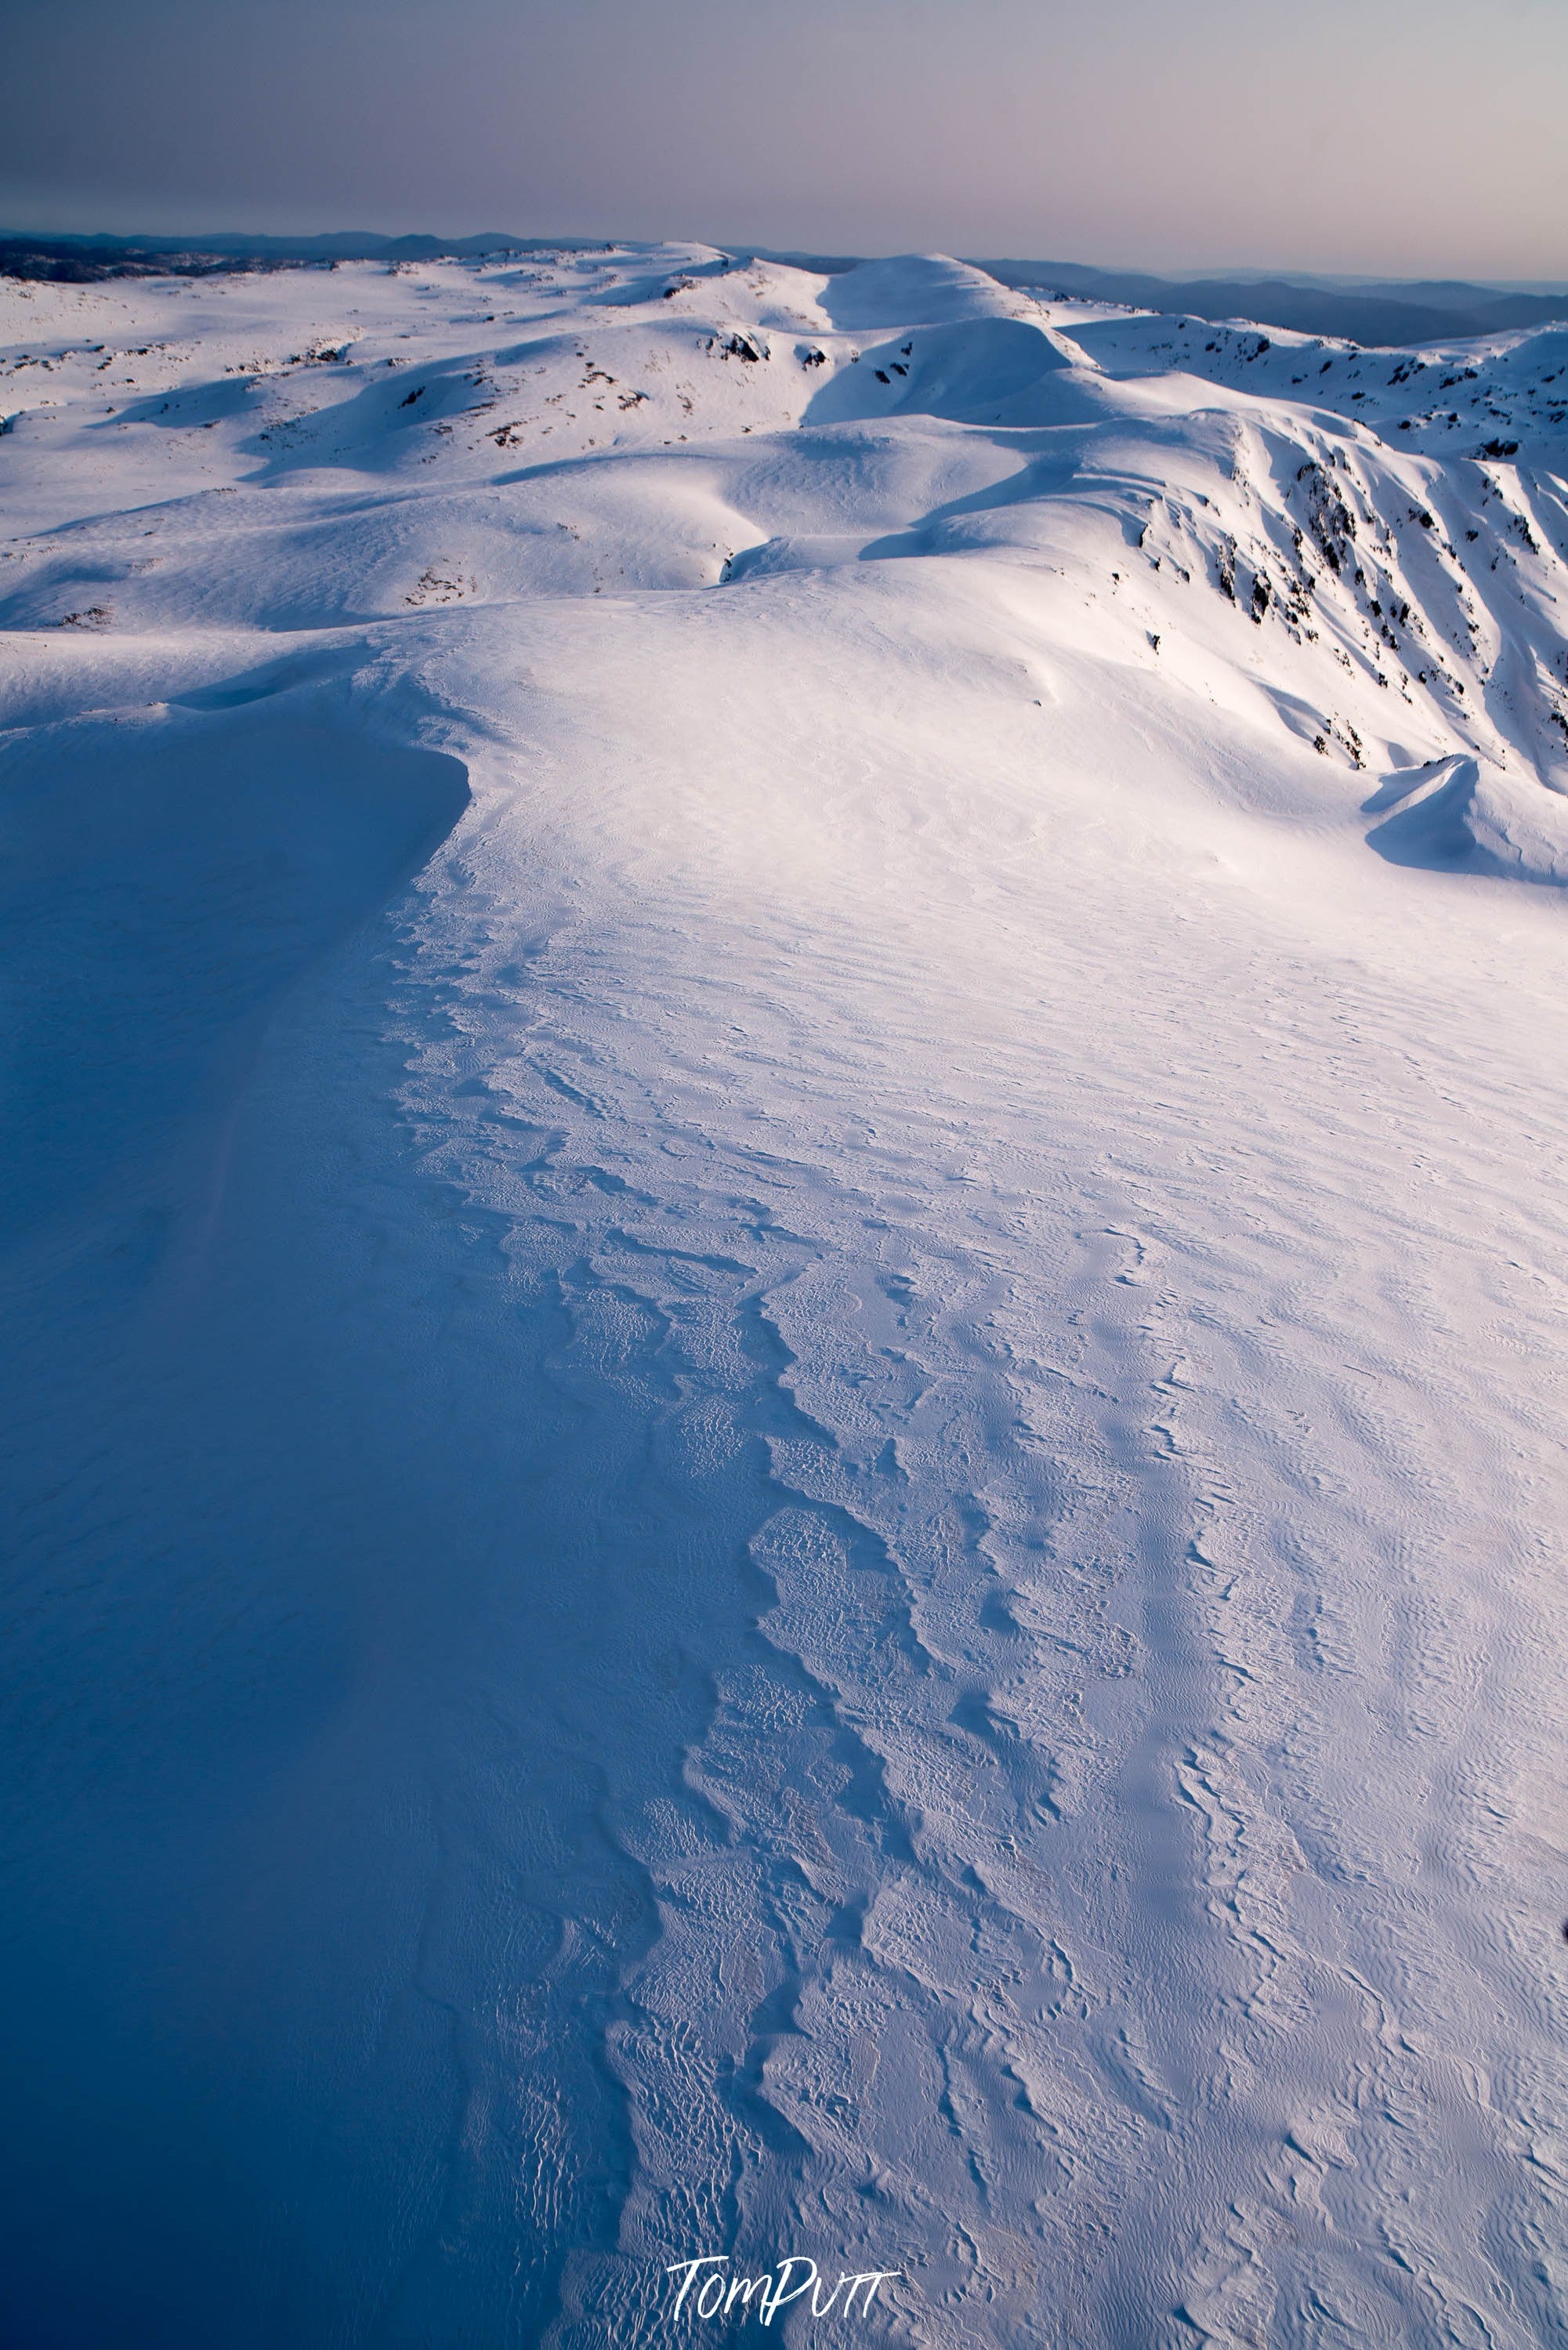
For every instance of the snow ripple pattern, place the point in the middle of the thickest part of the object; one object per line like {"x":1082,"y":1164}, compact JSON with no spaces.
{"x":796,"y":1487}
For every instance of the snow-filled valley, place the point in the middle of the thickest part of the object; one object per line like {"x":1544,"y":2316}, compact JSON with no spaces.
{"x":783,"y":1251}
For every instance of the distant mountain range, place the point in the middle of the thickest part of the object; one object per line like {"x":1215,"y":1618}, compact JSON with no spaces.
{"x":1374,"y":311}
{"x":82,"y":259}
{"x":1390,"y":312}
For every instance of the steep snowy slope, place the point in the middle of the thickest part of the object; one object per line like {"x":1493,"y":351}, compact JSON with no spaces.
{"x":785,"y":1253}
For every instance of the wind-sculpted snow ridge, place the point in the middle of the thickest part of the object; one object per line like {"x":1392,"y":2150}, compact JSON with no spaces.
{"x":783,"y":1408}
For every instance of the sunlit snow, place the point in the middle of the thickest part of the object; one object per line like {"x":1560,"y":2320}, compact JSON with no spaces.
{"x":783,"y":1251}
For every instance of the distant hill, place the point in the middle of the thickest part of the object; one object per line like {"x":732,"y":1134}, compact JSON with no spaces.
{"x":1396,"y":312}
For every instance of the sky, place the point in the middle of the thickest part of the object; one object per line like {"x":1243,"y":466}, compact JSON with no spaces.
{"x":1409,"y":138}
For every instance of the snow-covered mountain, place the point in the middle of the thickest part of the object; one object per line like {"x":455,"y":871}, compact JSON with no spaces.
{"x":784,"y":1247}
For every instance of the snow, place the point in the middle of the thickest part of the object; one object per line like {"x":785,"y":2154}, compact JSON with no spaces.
{"x":784,"y":1258}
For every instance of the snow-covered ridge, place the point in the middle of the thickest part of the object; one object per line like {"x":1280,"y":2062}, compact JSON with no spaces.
{"x":783,"y":1243}
{"x":1391,"y":521}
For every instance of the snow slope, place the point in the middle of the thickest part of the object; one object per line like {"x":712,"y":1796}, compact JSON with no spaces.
{"x":784,"y":1247}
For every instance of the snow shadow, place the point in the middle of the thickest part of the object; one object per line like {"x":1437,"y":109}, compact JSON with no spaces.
{"x":167,"y":879}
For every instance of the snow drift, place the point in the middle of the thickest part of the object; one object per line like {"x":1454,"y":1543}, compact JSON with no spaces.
{"x":784,"y":1267}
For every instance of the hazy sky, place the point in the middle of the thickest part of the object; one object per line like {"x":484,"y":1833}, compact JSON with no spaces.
{"x":1411,"y":137}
